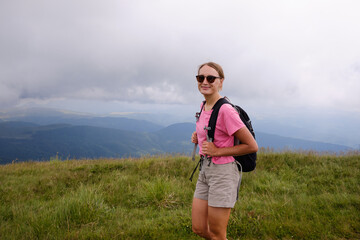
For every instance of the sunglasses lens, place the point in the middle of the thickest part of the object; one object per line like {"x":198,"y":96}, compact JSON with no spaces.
{"x":200,"y":78}
{"x":210,"y":79}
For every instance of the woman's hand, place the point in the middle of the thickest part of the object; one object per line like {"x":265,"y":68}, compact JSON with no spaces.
{"x":209,"y":149}
{"x":194,"y":138}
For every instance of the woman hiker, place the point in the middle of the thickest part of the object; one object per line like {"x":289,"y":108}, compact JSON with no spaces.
{"x":217,"y":186}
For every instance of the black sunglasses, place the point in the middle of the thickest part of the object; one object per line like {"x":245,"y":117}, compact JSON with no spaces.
{"x":210,"y":79}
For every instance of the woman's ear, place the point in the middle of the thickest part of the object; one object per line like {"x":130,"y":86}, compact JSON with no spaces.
{"x":221,"y":84}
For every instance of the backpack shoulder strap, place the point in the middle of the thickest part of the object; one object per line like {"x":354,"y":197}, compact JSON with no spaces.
{"x":214,"y":116}
{"x":197,"y":115}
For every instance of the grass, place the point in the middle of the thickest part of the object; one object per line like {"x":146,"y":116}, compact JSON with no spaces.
{"x":289,"y":196}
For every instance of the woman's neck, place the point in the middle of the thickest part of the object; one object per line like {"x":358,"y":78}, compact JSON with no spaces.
{"x":211,"y":100}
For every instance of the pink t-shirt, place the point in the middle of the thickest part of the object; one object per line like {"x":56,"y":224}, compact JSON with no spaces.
{"x":228,"y":122}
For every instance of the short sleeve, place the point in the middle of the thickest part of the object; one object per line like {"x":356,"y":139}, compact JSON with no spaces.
{"x":229,"y":120}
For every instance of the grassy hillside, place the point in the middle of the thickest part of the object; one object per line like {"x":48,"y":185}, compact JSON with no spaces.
{"x":289,"y":196}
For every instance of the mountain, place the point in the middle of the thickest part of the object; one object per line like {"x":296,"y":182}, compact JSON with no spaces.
{"x":43,"y":116}
{"x":24,"y":141}
{"x":322,"y":126}
{"x":278,"y":143}
{"x":175,"y":138}
{"x":17,"y":130}
{"x":44,"y":142}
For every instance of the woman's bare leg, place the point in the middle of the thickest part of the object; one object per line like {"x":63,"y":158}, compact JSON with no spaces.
{"x":199,"y":214}
{"x":218,"y":219}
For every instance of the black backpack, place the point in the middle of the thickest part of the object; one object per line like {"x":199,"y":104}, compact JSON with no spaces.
{"x":248,"y":161}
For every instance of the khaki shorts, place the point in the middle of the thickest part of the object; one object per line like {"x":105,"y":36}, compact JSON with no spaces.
{"x":218,"y":184}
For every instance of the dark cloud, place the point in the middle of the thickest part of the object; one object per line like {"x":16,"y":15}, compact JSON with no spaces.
{"x":141,"y":51}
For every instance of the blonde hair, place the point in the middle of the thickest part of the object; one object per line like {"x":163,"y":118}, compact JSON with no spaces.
{"x":215,"y":66}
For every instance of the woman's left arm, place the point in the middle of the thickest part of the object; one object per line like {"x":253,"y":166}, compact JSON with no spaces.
{"x":248,"y":145}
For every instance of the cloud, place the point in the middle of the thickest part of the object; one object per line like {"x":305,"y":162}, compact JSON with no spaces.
{"x":280,"y":53}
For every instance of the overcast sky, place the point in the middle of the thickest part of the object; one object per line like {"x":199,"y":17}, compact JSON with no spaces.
{"x":292,"y":54}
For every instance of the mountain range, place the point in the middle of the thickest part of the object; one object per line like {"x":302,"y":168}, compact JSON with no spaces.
{"x":39,"y":137}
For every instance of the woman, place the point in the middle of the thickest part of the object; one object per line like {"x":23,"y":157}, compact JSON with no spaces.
{"x":217,"y":186}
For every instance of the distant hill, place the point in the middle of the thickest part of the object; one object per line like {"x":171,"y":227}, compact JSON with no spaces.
{"x":175,"y":138}
{"x":49,"y":116}
{"x":17,"y":130}
{"x":43,"y":142}
{"x":278,"y":143}
{"x":320,"y":126}
{"x":28,"y":141}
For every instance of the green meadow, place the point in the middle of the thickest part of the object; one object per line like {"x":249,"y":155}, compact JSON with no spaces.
{"x":291,"y":195}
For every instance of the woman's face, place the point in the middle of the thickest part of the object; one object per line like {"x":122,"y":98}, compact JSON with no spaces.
{"x":207,"y":88}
